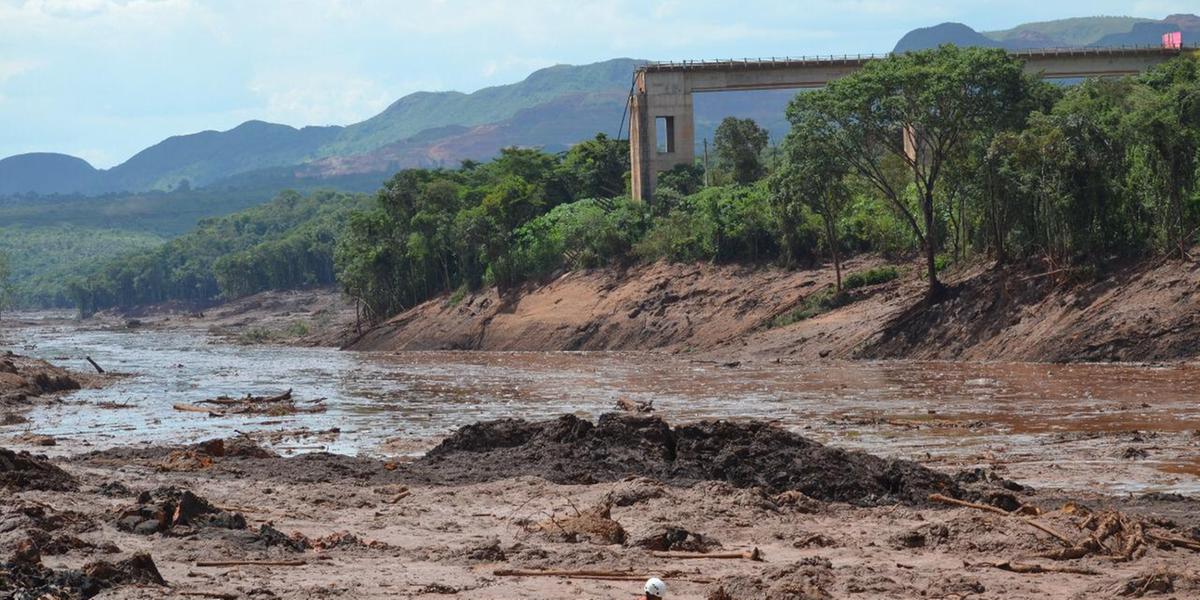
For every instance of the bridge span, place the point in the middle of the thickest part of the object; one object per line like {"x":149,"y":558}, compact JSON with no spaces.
{"x":662,"y":92}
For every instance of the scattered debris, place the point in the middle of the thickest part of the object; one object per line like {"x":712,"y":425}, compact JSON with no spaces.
{"x":664,"y":538}
{"x":25,"y":471}
{"x":168,"y":508}
{"x":808,"y":579}
{"x":594,"y":524}
{"x":277,"y":405}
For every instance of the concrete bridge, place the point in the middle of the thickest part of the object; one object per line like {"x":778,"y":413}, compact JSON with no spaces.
{"x":662,"y":95}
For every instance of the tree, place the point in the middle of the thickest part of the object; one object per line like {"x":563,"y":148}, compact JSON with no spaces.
{"x":597,"y":168}
{"x":5,"y":274}
{"x":739,"y":144}
{"x":813,"y":176}
{"x":919,"y":108}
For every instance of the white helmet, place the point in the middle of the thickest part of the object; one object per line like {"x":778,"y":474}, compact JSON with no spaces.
{"x":655,"y":587}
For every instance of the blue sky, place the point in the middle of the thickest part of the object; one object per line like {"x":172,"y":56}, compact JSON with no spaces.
{"x":102,"y":79}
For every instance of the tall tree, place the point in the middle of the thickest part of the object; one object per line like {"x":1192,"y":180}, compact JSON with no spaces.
{"x":739,"y":144}
{"x":5,"y":275}
{"x":919,"y":108}
{"x":813,"y":176}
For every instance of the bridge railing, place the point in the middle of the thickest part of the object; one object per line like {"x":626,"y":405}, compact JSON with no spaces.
{"x":834,"y":59}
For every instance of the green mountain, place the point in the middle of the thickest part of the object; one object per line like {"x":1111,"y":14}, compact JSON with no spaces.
{"x":1091,"y":32}
{"x":46,"y":172}
{"x":1079,"y":31}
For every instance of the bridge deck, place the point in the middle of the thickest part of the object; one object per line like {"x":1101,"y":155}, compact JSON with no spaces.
{"x":860,"y":59}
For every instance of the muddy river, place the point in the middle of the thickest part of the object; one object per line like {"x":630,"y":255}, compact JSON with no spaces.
{"x":1116,"y":427}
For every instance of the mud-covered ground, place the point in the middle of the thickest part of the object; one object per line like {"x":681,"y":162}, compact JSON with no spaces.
{"x":25,"y":381}
{"x":569,"y":495}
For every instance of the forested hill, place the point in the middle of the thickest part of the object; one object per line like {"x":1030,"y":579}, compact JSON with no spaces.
{"x":423,"y":129}
{"x":1080,"y":32}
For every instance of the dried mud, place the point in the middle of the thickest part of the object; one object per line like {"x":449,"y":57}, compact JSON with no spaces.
{"x":511,"y":497}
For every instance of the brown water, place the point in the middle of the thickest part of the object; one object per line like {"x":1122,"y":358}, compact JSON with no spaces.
{"x":1051,"y":425}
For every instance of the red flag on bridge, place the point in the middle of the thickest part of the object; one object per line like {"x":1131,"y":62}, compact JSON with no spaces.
{"x":1173,"y":40}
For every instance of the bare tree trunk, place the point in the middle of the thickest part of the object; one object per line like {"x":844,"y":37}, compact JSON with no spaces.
{"x":936,"y":289}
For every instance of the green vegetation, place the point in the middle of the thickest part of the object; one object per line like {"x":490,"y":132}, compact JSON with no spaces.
{"x":870,"y":277}
{"x":1079,"y":31}
{"x":948,"y":154}
{"x":813,"y":305}
{"x":5,"y":283}
{"x":41,"y":259}
{"x":739,"y":144}
{"x":286,"y":243}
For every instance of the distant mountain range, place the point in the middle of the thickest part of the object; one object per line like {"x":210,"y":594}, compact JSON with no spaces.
{"x":1097,"y":32}
{"x":552,"y":109}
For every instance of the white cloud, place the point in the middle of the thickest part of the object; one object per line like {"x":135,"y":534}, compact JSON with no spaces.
{"x":12,"y":67}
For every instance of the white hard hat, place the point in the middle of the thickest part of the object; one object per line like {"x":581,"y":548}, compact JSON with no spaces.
{"x":655,"y":587}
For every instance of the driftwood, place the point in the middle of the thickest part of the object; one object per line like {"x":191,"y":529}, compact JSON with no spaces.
{"x":198,"y":409}
{"x":752,"y":554}
{"x":218,"y":595}
{"x":259,"y":563}
{"x":593,"y":574}
{"x":1066,"y":541}
{"x":1016,"y":567}
{"x":94,"y":365}
{"x":249,"y":399}
{"x":635,"y":406}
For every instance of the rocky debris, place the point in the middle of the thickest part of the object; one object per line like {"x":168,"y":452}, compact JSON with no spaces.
{"x":277,"y":405}
{"x":664,"y":538}
{"x":31,"y":527}
{"x":168,"y":508}
{"x":744,"y":454}
{"x":201,"y":456}
{"x":635,"y":490}
{"x":20,"y":471}
{"x":799,"y":502}
{"x":925,"y":535}
{"x":27,"y":579}
{"x":808,"y":539}
{"x":808,"y":579}
{"x":594,"y":524}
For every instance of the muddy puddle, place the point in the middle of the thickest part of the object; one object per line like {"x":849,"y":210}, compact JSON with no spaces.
{"x":1121,"y":428}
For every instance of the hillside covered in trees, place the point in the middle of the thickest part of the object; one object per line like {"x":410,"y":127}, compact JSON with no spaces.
{"x":1007,"y":168}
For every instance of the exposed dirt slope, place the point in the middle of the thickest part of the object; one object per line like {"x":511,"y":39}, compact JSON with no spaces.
{"x":1148,"y":312}
{"x":657,"y":307}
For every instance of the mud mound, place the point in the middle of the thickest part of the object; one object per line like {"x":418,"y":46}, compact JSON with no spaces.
{"x":169,"y":508}
{"x":22,"y":377}
{"x":25,"y":471}
{"x":748,"y":454}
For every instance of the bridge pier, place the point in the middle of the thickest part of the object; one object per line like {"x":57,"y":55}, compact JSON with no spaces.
{"x":662,"y":130}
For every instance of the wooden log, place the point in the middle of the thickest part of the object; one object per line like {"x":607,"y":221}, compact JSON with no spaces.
{"x":94,"y":365}
{"x":1034,"y":568}
{"x":198,"y":409}
{"x":218,"y":595}
{"x":593,"y":574}
{"x":752,"y":554}
{"x":1066,"y":541}
{"x":257,"y":563}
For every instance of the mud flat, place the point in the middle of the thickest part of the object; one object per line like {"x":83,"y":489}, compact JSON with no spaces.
{"x":576,"y":509}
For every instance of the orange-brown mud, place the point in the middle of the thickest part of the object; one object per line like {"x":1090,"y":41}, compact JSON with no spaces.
{"x":508,"y":497}
{"x":1141,"y":312}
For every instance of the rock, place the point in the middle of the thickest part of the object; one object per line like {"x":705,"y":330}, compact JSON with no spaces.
{"x":666,"y":538}
{"x":169,"y":507}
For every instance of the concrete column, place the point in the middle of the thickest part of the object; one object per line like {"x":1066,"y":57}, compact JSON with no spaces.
{"x":659,"y":96}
